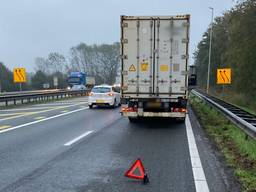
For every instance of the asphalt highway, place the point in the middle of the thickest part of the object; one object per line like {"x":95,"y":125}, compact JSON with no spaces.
{"x":65,"y":146}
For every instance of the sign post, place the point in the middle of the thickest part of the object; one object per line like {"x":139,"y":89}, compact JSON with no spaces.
{"x":19,"y":76}
{"x":55,"y":82}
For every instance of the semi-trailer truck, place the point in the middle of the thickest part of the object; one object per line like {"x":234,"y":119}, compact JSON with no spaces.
{"x":154,"y":66}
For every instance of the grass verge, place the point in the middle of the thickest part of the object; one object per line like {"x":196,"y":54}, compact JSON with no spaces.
{"x":238,"y":149}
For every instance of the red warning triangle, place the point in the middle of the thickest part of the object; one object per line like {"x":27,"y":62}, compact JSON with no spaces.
{"x":132,"y":173}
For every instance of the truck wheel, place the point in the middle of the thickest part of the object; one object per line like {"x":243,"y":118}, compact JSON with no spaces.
{"x":133,"y":119}
{"x":90,"y":106}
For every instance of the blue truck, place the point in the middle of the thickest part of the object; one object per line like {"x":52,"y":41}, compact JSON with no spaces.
{"x":76,"y":78}
{"x":80,"y":78}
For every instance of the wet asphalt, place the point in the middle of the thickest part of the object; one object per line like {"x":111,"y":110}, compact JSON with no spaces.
{"x":35,"y":157}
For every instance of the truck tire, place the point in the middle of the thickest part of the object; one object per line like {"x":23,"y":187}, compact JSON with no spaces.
{"x":90,"y":106}
{"x":133,"y":119}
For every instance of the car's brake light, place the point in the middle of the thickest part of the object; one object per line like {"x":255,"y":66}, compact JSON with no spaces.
{"x":91,"y":94}
{"x":111,"y":94}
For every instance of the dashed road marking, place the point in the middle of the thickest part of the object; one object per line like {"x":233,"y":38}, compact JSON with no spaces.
{"x":24,"y":109}
{"x":61,"y":104}
{"x":197,"y":168}
{"x":10,"y":114}
{"x":42,"y":117}
{"x":37,"y":112}
{"x":65,"y":111}
{"x":41,"y":120}
{"x":4,"y":127}
{"x":78,"y":138}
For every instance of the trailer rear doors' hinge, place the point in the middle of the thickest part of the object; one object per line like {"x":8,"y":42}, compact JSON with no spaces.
{"x":184,"y":56}
{"x":124,"y":72}
{"x":124,"y":40}
{"x":184,"y":72}
{"x":124,"y":88}
{"x":183,"y":88}
{"x":124,"y":24}
{"x":124,"y":56}
{"x":185,"y":40}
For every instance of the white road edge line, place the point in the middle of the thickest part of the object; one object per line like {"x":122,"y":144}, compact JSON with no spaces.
{"x":78,"y":138}
{"x":198,"y":171}
{"x":41,"y":120}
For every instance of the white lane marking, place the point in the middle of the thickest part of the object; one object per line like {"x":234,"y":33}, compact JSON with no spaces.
{"x":56,"y":103}
{"x":24,"y":109}
{"x":197,"y":168}
{"x":49,"y":107}
{"x":38,"y":112}
{"x":78,"y":138}
{"x":41,"y":120}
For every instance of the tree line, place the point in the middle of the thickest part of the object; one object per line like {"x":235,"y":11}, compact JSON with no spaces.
{"x":99,"y":61}
{"x":233,"y":46}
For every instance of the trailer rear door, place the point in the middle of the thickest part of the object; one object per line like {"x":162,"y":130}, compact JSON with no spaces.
{"x":154,"y":56}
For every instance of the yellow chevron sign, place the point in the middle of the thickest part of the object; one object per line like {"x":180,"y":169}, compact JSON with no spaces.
{"x":224,"y":76}
{"x":19,"y":75}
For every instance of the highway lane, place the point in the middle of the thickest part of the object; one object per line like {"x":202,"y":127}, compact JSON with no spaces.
{"x":90,"y":150}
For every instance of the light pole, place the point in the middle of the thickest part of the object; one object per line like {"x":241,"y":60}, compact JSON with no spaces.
{"x":209,"y":59}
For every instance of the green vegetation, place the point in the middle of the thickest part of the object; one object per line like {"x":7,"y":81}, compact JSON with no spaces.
{"x":238,"y":149}
{"x":6,"y":80}
{"x":234,"y":45}
{"x":99,"y":61}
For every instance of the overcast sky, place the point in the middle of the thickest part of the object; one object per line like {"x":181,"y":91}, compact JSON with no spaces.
{"x":32,"y":28}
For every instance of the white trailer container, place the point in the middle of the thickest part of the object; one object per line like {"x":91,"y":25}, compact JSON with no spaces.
{"x":154,"y":61}
{"x":90,"y":81}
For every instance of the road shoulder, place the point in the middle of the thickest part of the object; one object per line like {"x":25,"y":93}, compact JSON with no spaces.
{"x":221,"y":176}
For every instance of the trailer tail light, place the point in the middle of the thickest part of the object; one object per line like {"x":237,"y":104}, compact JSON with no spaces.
{"x":181,"y":110}
{"x":90,"y":94}
{"x":129,"y":109}
{"x":111,"y":94}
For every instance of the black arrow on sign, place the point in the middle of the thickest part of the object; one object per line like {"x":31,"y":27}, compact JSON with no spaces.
{"x":226,"y":75}
{"x":222,"y":76}
{"x":23,"y":78}
{"x":18,"y":75}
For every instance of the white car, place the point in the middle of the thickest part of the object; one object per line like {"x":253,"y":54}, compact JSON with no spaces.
{"x":104,"y":95}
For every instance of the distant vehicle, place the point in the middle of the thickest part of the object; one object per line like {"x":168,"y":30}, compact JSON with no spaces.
{"x":90,"y":81}
{"x":78,"y":87}
{"x":104,"y":95}
{"x":80,"y":78}
{"x":192,"y":78}
{"x":154,"y":65}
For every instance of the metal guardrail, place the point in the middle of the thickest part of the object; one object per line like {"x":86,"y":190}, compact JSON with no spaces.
{"x":29,"y":92}
{"x":240,"y":117}
{"x":28,"y":97}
